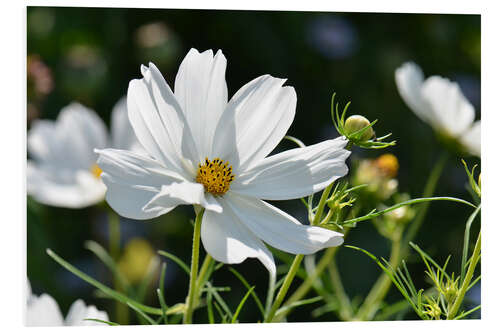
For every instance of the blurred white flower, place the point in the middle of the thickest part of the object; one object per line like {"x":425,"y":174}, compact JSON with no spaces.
{"x":43,"y":311}
{"x":440,"y":103}
{"x":63,"y":171}
{"x":211,"y":152}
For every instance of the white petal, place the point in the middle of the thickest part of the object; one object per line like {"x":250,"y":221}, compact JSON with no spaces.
{"x":43,"y":311}
{"x":78,"y":312}
{"x":295,"y":173}
{"x":63,"y":188}
{"x":471,"y":139}
{"x":279,"y":229}
{"x":409,"y":79}
{"x":28,"y":292}
{"x":159,"y":123}
{"x":453,"y":112}
{"x":200,"y":88}
{"x":229,"y":241}
{"x":182,"y":193}
{"x":132,"y":181}
{"x":122,"y":134}
{"x":254,"y":122}
{"x":68,"y":142}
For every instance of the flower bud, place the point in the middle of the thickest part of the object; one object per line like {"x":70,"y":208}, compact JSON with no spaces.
{"x":136,"y":259}
{"x":433,"y":309}
{"x":355,"y":123}
{"x":388,"y":164}
{"x":450,"y":290}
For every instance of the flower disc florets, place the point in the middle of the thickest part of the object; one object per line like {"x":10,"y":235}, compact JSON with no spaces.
{"x":215,"y":176}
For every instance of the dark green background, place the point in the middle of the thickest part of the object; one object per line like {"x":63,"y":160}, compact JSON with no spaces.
{"x":353,"y":54}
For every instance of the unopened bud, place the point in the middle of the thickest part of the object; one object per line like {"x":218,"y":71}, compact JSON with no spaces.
{"x":388,"y":164}
{"x":355,"y":123}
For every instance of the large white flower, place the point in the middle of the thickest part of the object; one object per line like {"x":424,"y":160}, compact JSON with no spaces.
{"x":440,"y":103}
{"x":210,"y":152}
{"x":63,"y":171}
{"x":43,"y":311}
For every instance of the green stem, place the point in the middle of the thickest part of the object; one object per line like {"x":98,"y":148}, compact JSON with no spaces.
{"x":429,"y":189}
{"x":122,"y":312}
{"x":114,"y":234}
{"x":381,"y":287}
{"x":202,"y":275}
{"x":298,"y":258}
{"x":188,"y":314}
{"x":321,"y":204}
{"x":468,"y":277}
{"x":284,"y":288}
{"x":345,"y":311}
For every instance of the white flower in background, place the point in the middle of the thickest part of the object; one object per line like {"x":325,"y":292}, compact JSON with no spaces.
{"x":440,"y":103}
{"x":63,"y":171}
{"x":211,"y":152}
{"x":43,"y":311}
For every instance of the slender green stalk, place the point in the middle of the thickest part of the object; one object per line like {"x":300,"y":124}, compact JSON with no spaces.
{"x":468,"y":277}
{"x":381,"y":287}
{"x":188,"y":314}
{"x":122,"y":311}
{"x":321,"y":204}
{"x":284,"y":288}
{"x":114,"y":234}
{"x":202,"y":276}
{"x":270,"y":292}
{"x":298,"y":259}
{"x":465,"y":251}
{"x":345,"y":311}
{"x":429,"y":189}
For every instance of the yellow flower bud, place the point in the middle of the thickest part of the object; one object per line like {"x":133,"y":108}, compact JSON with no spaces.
{"x":136,"y":259}
{"x":355,"y":123}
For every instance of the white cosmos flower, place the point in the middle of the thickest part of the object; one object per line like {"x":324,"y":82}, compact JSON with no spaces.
{"x":210,"y":152}
{"x":43,"y":311}
{"x":63,"y":171}
{"x":440,"y":103}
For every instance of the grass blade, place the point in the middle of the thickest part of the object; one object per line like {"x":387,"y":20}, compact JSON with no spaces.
{"x":177,"y":260}
{"x":240,"y":306}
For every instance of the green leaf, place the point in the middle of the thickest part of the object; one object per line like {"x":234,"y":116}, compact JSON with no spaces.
{"x":297,"y":304}
{"x":143,"y":315}
{"x":465,"y":251}
{"x":178,"y":308}
{"x":177,"y":260}
{"x":465,"y":314}
{"x":240,"y":306}
{"x":375,"y":213}
{"x":104,"y":256}
{"x":219,"y":299}
{"x":247,"y":285}
{"x":110,"y":323}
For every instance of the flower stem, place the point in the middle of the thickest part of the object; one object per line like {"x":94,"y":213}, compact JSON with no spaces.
{"x":345,"y":311}
{"x":188,"y":313}
{"x":202,"y":276}
{"x":298,"y":258}
{"x":284,"y":288}
{"x":321,"y":205}
{"x":381,"y":287}
{"x":122,"y":314}
{"x":468,"y":277}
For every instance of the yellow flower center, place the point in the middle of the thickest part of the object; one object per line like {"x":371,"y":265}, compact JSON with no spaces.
{"x":96,"y":171}
{"x":216,"y":176}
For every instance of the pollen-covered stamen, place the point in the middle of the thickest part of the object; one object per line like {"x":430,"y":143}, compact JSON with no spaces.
{"x":216,"y":176}
{"x":96,"y":171}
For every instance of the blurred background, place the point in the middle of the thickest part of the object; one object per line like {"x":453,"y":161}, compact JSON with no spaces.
{"x":89,"y":55}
